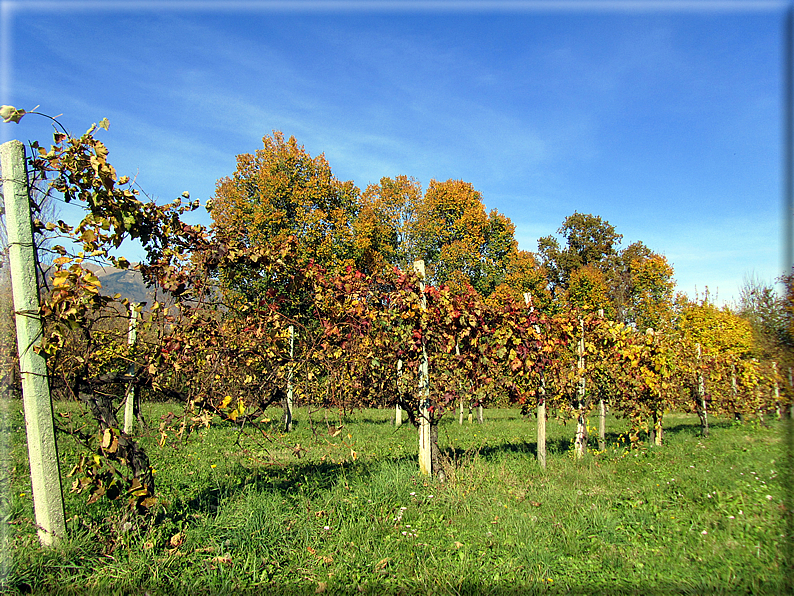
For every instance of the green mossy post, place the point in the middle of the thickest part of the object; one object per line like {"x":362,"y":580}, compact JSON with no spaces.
{"x":602,"y":425}
{"x":45,"y":473}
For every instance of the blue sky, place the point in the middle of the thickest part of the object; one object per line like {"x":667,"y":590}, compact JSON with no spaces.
{"x":665,"y":122}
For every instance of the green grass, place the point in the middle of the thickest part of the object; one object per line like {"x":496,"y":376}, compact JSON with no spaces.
{"x":353,"y":514}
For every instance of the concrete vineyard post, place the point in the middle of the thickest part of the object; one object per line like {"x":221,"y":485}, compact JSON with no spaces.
{"x":425,"y":462}
{"x":580,"y":443}
{"x":735,"y":392}
{"x":541,"y":399}
{"x":702,"y":412}
{"x":656,"y":430}
{"x":288,"y":402}
{"x":42,"y":450}
{"x":398,"y":413}
{"x":791,"y":387}
{"x":132,"y":391}
{"x":602,"y":426}
{"x":602,"y":411}
{"x":777,"y":390}
{"x":460,"y":418}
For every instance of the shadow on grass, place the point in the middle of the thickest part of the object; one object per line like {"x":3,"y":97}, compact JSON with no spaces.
{"x":302,"y":478}
{"x":288,"y":480}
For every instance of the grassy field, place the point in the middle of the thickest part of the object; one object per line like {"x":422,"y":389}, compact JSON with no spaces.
{"x":352,"y":514}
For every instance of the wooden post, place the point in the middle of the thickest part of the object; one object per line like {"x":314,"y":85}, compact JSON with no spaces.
{"x":45,"y":473}
{"x":757,"y":395}
{"x":132,"y":390}
{"x":541,"y":399}
{"x":656,"y":429}
{"x":425,"y":462}
{"x":288,"y":403}
{"x":580,"y":443}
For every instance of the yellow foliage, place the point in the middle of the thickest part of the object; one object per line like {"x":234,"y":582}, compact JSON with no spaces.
{"x":283,"y":191}
{"x":716,"y":329}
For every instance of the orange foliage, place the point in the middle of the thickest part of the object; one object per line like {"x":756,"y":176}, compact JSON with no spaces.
{"x":281,"y":191}
{"x":460,"y":243}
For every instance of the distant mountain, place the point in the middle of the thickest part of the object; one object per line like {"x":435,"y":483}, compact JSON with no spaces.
{"x":127,"y":282}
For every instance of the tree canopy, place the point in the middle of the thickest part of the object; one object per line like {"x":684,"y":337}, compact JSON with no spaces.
{"x":589,"y":240}
{"x":281,"y":191}
{"x":384,"y":229}
{"x":460,"y":243}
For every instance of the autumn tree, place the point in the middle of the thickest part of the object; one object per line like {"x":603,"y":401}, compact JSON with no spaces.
{"x":460,"y":243}
{"x":281,"y":191}
{"x":716,"y":329}
{"x":587,"y":290}
{"x":765,"y":309}
{"x":523,"y":274}
{"x":384,"y":230}
{"x":650,"y":296}
{"x":589,"y":240}
{"x":619,"y":278}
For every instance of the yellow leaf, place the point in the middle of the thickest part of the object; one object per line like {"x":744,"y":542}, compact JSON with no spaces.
{"x":92,"y":279}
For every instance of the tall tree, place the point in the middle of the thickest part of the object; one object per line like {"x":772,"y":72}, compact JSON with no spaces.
{"x":765,"y":309}
{"x":619,"y":279}
{"x":716,"y":329}
{"x":523,"y":274}
{"x":383,"y":230}
{"x":460,"y":243}
{"x":281,"y":191}
{"x":589,"y":240}
{"x":650,"y":299}
{"x":587,"y":290}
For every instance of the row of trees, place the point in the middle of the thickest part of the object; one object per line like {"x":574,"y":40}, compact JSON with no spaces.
{"x":282,"y":191}
{"x":304,"y":280}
